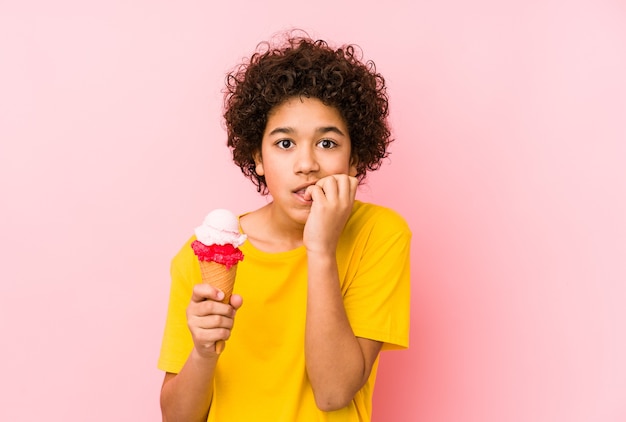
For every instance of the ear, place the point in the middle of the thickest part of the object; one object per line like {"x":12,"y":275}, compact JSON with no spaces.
{"x":258,"y":162}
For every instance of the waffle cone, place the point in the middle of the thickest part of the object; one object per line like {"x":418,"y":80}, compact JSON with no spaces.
{"x":217,"y":275}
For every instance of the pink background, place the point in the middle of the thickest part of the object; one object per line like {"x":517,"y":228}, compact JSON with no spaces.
{"x":509,"y":166}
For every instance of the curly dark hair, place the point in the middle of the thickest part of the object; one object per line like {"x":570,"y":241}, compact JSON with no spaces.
{"x":310,"y":68}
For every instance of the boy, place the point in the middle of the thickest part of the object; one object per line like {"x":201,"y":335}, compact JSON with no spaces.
{"x":325,"y":277}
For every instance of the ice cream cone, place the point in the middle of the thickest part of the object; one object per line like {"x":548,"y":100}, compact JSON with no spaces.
{"x":217,"y":248}
{"x":220,"y":277}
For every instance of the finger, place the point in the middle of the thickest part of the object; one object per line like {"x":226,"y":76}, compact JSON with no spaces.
{"x":308,"y":193}
{"x":198,"y":311}
{"x":347,"y":185}
{"x":212,"y":307}
{"x":354,"y":182}
{"x":324,"y":181}
{"x":354,"y":185}
{"x":236,"y":301}
{"x":343,"y":186}
{"x":316,"y":193}
{"x":329,"y":186}
{"x":211,"y":322}
{"x":205,"y":291}
{"x":206,"y":338}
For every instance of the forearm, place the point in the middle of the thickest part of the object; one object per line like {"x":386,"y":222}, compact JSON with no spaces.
{"x":334,"y":359}
{"x":187,"y":395}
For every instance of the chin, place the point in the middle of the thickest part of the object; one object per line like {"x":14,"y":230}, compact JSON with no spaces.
{"x":301,"y":215}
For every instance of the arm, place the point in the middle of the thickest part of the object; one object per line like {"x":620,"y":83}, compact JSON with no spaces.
{"x":186,"y":396}
{"x":338,"y":363}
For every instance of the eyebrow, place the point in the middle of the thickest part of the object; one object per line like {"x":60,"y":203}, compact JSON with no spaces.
{"x":320,"y":130}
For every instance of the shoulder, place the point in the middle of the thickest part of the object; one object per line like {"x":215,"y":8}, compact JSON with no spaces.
{"x":368,"y":216}
{"x":185,"y":259}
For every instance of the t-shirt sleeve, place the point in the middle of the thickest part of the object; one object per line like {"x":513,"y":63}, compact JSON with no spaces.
{"x":177,"y":342}
{"x":377,"y":298}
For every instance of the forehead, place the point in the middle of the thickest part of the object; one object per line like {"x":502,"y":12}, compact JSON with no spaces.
{"x":302,"y":112}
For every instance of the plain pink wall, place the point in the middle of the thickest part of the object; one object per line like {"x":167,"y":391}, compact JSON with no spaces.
{"x":509,"y":166}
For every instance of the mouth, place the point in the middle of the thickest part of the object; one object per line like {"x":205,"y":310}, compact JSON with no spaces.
{"x":301,"y":190}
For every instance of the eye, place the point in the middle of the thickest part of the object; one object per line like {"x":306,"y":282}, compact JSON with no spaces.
{"x":284,"y":143}
{"x":327,"y":143}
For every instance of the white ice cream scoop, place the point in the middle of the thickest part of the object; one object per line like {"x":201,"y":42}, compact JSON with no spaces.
{"x":220,"y":227}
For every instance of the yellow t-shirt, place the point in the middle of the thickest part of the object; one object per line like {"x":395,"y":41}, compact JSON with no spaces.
{"x":261,"y":374}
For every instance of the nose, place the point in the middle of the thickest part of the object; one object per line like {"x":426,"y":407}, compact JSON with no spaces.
{"x":306,"y":161}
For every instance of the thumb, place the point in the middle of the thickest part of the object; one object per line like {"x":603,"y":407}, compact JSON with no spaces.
{"x":236,"y":301}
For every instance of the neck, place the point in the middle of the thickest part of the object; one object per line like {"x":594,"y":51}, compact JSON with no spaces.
{"x":270,"y":231}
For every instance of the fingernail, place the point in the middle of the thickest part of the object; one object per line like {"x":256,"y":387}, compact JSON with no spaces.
{"x":220,"y":295}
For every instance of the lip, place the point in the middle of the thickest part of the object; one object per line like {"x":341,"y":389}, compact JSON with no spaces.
{"x":299,"y":191}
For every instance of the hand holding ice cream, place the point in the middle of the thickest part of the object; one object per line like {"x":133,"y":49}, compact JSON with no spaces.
{"x":217,"y":249}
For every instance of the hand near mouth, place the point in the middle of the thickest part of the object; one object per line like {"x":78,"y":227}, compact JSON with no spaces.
{"x":307,"y":196}
{"x":332,"y":199}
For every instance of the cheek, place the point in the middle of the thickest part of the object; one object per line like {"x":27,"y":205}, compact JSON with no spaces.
{"x":275,"y":170}
{"x":344,"y":166}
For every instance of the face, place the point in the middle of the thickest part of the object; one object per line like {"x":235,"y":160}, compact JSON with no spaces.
{"x":304,"y":141}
